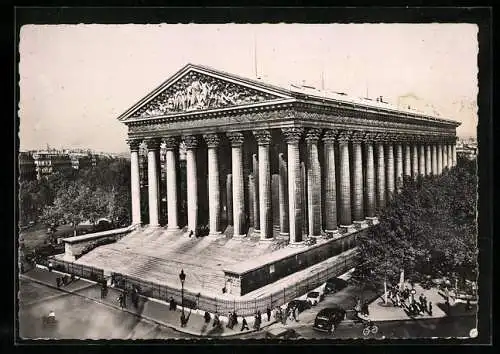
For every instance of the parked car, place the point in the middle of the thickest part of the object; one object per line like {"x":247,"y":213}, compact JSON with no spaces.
{"x":334,"y":284}
{"x":314,"y":297}
{"x":301,"y":304}
{"x":282,"y":333}
{"x":328,"y":319}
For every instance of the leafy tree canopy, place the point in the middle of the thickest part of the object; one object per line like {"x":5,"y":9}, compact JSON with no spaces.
{"x":429,"y":229}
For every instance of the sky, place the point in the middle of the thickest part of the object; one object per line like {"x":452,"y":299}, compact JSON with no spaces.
{"x":75,"y":80}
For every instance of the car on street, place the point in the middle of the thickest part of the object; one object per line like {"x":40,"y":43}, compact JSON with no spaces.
{"x":314,"y":297}
{"x":300,"y":304}
{"x":334,"y":284}
{"x":282,"y":333}
{"x":328,"y":319}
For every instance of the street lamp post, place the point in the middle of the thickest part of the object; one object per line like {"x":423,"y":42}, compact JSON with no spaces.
{"x":182,"y":277}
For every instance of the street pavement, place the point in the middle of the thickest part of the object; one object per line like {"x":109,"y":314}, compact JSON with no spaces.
{"x":80,"y":304}
{"x":82,"y":313}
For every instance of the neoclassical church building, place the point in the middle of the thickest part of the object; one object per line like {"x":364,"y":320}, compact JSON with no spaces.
{"x":293,"y":166}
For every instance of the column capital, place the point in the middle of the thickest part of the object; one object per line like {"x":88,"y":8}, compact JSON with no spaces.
{"x":292,"y":135}
{"x":330,"y":135}
{"x":370,"y":137}
{"x":235,"y":138}
{"x":171,"y":142}
{"x":380,"y":138}
{"x":398,"y":138}
{"x":153,"y":143}
{"x":191,"y":141}
{"x":358,"y":137}
{"x":263,"y":136}
{"x":134,"y":144}
{"x":344,"y":136}
{"x":212,"y":140}
{"x":312,"y":135}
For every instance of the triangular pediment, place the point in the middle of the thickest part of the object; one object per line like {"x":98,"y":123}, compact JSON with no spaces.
{"x":197,"y":88}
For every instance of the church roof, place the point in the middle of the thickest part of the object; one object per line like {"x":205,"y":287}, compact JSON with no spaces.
{"x":292,"y":93}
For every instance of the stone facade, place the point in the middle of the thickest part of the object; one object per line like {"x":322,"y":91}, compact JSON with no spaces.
{"x":336,"y":163}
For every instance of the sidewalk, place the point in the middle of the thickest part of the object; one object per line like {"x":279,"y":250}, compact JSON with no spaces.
{"x":150,"y":309}
{"x":378,"y":311}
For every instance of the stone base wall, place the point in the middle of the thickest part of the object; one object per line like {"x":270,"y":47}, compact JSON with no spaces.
{"x":280,"y":268}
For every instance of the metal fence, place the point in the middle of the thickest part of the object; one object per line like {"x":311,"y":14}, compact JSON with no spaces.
{"x":78,"y":270}
{"x":242,"y":307}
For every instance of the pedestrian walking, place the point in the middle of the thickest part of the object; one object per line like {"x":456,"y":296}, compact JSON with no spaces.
{"x":292,"y":313}
{"x":207,"y":317}
{"x":268,"y":312}
{"x":120,"y":300}
{"x":58,"y":281}
{"x":296,"y":313}
{"x":216,"y":322}
{"x":183,"y":320}
{"x":49,"y":267}
{"x":244,"y":325}
{"x":429,"y":308}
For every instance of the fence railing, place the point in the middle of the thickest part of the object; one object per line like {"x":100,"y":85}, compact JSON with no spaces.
{"x":242,"y":307}
{"x":78,"y":270}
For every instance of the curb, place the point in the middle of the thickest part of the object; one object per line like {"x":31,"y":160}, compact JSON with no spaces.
{"x":165,"y":324}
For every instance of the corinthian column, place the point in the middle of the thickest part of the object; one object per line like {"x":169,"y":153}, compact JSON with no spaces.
{"x":407,"y":164}
{"x":153,"y":146}
{"x":263,"y":138}
{"x":236,"y":139}
{"x":134,"y":181}
{"x":399,"y":164}
{"x":213,"y":142}
{"x":171,"y":145}
{"x":292,"y":137}
{"x":283,"y":197}
{"x":370,"y":178}
{"x":329,"y":139}
{"x":313,"y":182}
{"x":414,"y":158}
{"x":345,"y":182}
{"x":380,"y":171}
{"x":389,"y":167}
{"x":434,"y":159}
{"x":357,"y":190}
{"x":421,"y":159}
{"x":439,"y":157}
{"x":191,"y":143}
{"x":445,"y":155}
{"x":428,"y":159}
{"x":454,"y":151}
{"x":450,"y":157}
{"x":256,"y":212}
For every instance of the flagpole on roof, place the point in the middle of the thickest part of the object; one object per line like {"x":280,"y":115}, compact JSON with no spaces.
{"x":255,"y":55}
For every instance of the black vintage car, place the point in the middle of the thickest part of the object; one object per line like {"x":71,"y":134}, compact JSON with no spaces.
{"x":334,"y":284}
{"x":301,"y":304}
{"x":328,"y":319}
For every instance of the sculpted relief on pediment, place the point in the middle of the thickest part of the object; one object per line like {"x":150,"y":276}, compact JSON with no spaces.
{"x":197,"y":91}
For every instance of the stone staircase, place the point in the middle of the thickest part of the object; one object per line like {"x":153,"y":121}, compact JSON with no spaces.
{"x":153,"y":254}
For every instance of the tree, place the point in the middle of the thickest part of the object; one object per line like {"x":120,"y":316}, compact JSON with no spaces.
{"x":429,"y":229}
{"x":75,"y":204}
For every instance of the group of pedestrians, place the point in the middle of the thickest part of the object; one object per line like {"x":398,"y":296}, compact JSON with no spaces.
{"x":404,"y":299}
{"x":362,"y":307}
{"x":290,"y":313}
{"x":64,"y":280}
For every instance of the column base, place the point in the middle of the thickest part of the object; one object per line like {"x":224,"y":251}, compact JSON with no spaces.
{"x":372,"y":220}
{"x":333,"y":233}
{"x":173,"y":229}
{"x":214,"y":233}
{"x":266,"y":240}
{"x":347,"y":228}
{"x":239,"y":237}
{"x":297,"y":244}
{"x":362,"y":224}
{"x":314,"y":236}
